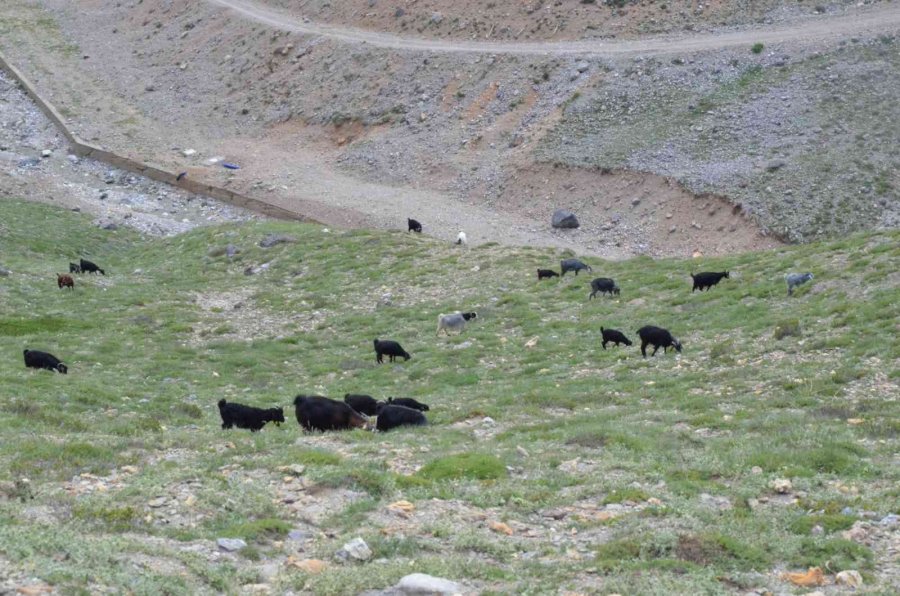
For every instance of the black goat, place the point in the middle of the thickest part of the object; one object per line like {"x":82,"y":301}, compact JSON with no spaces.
{"x":413,"y":225}
{"x":320,"y":413}
{"x":88,"y":267}
{"x":392,"y":416}
{"x":603,"y":285}
{"x":614,"y":336}
{"x":243,"y":416}
{"x":407,"y":402}
{"x":74,"y":268}
{"x":364,"y":404}
{"x":387,"y":347}
{"x":43,"y":360}
{"x":707,"y":279}
{"x":546,"y":273}
{"x":575,"y":265}
{"x":658,"y":338}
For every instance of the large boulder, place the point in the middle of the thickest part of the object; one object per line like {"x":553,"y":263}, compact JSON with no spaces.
{"x":420,"y":584}
{"x":565,"y":219}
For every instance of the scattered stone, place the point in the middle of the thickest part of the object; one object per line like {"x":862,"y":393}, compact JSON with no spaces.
{"x":812,"y":577}
{"x":522,"y":451}
{"x":421,"y":584}
{"x":28,"y":162}
{"x":295,"y":469}
{"x":402,"y":508}
{"x":501,"y":528}
{"x":34,"y":589}
{"x":310,"y":566}
{"x":298,"y":535}
{"x":716,"y":502}
{"x":850,"y":577}
{"x":890,"y":520}
{"x":231,"y":544}
{"x":189,"y":152}
{"x":756,"y":470}
{"x":399,"y":13}
{"x":782,"y":486}
{"x":273,"y":239}
{"x":158,"y":502}
{"x":635,"y":202}
{"x":355,"y":549}
{"x":436,"y":18}
{"x":4,"y":272}
{"x":531,"y":342}
{"x":46,"y":153}
{"x":582,"y":66}
{"x":564,"y":219}
{"x":231,"y":250}
{"x":775,"y":164}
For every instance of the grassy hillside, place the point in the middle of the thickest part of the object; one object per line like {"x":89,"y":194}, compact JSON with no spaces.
{"x":613,"y":473}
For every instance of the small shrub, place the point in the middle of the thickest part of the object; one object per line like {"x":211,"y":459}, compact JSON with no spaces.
{"x":757,"y":48}
{"x":837,"y":552}
{"x":477,"y":466}
{"x":626,"y":494}
{"x":830,"y":522}
{"x":787,"y":329}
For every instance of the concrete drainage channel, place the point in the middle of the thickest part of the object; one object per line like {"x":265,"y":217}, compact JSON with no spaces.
{"x":86,"y":150}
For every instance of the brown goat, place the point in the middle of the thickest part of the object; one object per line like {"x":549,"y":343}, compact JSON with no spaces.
{"x":65,"y":281}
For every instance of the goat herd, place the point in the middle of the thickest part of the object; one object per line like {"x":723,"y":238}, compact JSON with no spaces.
{"x":323,"y":414}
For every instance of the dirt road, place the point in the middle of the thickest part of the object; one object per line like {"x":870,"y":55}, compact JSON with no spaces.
{"x":814,"y":29}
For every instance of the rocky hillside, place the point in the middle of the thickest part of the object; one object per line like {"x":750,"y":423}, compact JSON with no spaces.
{"x":671,"y":152}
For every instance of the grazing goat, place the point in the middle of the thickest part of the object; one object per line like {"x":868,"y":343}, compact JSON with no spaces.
{"x":546,"y":273}
{"x":707,"y":279}
{"x":320,"y":413}
{"x":363,"y":404}
{"x":603,"y":285}
{"x":407,"y":402}
{"x":614,"y":336}
{"x":386,"y":347}
{"x":455,"y":321}
{"x":461,"y":238}
{"x":88,"y":267}
{"x":74,"y":268}
{"x":658,"y":338}
{"x":392,"y":416}
{"x":243,"y":416}
{"x":413,"y":225}
{"x":796,"y":279}
{"x":65,"y":281}
{"x":575,"y":265}
{"x":43,"y":360}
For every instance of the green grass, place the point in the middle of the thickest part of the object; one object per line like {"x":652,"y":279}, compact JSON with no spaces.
{"x":573,"y":428}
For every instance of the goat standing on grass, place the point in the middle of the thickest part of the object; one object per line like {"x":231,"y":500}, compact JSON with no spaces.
{"x":455,"y":321}
{"x":44,"y":360}
{"x":65,"y":281}
{"x":707,"y":279}
{"x":658,"y":338}
{"x":389,"y":348}
{"x":796,"y":279}
{"x":89,"y":267}
{"x":603,"y":285}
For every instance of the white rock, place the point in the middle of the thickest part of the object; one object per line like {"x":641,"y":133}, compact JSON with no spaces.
{"x":46,"y":153}
{"x":189,"y":152}
{"x":231,"y":544}
{"x":421,"y":584}
{"x":355,"y":549}
{"x":781,"y":486}
{"x":850,"y":577}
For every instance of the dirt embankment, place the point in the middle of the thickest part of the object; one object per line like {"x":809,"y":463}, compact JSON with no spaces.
{"x":362,"y":136}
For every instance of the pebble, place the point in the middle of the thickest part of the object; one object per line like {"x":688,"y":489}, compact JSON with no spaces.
{"x":231,"y":544}
{"x":46,"y":153}
{"x":355,"y":549}
{"x":850,"y":577}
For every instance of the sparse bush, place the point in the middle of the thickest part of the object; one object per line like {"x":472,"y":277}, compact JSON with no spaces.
{"x":757,"y":48}
{"x":476,"y":466}
{"x":789,"y":328}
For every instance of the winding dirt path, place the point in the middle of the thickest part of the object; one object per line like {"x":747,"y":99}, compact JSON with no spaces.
{"x":814,"y":29}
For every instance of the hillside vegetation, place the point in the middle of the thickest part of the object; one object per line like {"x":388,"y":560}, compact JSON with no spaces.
{"x":546,"y":469}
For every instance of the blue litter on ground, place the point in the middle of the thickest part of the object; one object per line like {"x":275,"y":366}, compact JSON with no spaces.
{"x":231,"y":166}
